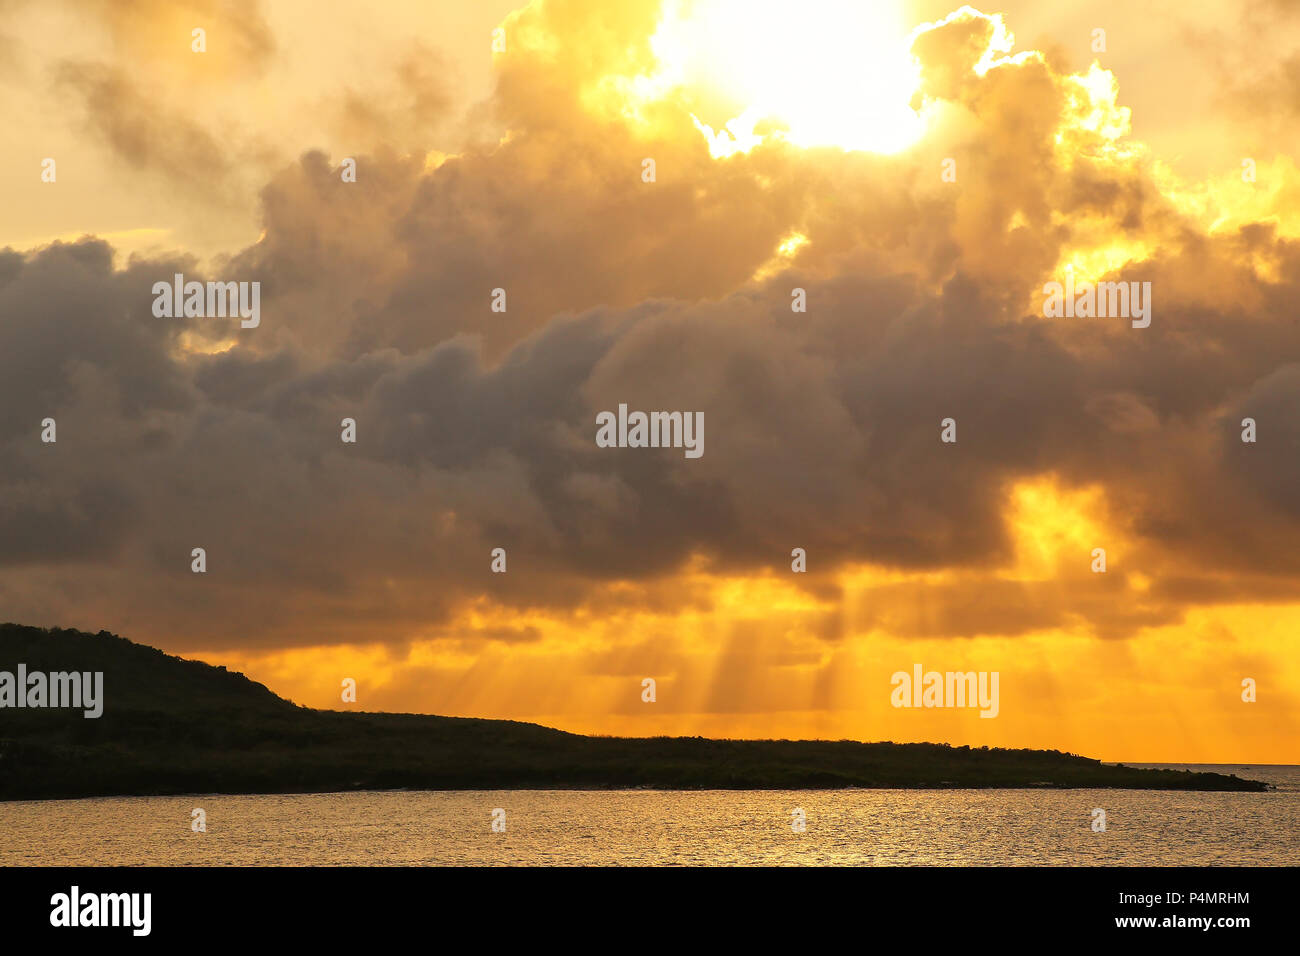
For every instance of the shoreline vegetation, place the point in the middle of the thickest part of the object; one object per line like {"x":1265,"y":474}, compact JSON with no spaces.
{"x":172,"y":726}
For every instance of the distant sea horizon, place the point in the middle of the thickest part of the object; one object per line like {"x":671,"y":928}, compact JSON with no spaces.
{"x":1234,"y":768}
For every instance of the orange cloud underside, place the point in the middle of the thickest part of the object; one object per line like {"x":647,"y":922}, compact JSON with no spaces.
{"x":763,"y":657}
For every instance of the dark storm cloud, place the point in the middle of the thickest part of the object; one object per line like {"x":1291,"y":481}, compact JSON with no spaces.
{"x":476,"y":429}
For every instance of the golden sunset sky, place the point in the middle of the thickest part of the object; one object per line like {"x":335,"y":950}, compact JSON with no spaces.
{"x":795,"y":145}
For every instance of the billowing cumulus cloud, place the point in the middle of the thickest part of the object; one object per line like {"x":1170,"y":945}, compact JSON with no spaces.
{"x":476,"y":428}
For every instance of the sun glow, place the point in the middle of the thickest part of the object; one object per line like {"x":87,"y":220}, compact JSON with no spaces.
{"x":836,"y":73}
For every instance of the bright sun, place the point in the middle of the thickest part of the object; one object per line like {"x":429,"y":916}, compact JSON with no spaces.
{"x":831,"y":72}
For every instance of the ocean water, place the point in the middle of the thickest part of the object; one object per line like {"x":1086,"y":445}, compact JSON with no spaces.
{"x":641,"y":827}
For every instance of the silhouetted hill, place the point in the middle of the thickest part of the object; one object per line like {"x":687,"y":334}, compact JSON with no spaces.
{"x":141,"y":677}
{"x":176,"y":726}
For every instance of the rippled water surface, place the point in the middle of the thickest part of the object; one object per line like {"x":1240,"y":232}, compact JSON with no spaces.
{"x":854,"y":827}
